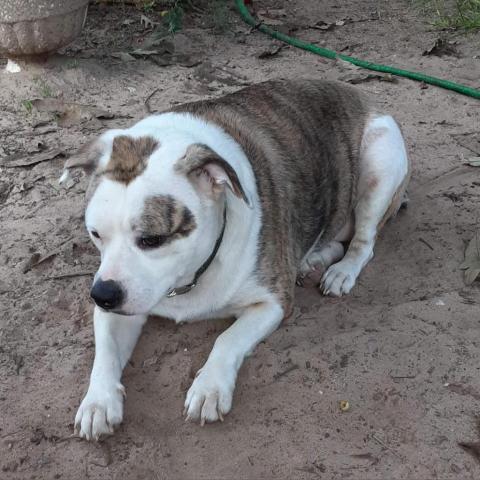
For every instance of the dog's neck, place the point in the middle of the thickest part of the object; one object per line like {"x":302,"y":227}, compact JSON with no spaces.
{"x":203,"y":268}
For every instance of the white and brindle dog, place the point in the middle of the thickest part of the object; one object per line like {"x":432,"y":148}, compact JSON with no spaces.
{"x":215,"y":208}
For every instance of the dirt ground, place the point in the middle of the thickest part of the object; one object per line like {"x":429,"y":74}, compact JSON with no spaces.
{"x":403,"y":348}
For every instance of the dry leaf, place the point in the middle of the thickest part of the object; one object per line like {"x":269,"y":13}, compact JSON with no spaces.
{"x":473,"y":448}
{"x":474,"y":161}
{"x":470,"y":140}
{"x":146,"y":22}
{"x":271,"y":16}
{"x":69,"y":113}
{"x":123,"y":56}
{"x":471,"y":264}
{"x":270,"y":52}
{"x":22,"y":160}
{"x":441,"y":47}
{"x":356,"y":78}
{"x":321,"y":25}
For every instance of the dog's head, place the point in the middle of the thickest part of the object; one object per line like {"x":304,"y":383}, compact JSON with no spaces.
{"x":155,"y":211}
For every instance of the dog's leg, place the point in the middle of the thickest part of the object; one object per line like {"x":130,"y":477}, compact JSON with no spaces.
{"x":318,"y":260}
{"x":210,"y":396}
{"x":383,"y":177}
{"x":102,"y":408}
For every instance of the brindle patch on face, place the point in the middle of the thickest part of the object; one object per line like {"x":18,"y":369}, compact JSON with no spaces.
{"x":129,"y":157}
{"x":164,"y":215}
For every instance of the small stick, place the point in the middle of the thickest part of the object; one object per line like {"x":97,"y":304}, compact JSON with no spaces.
{"x":70,"y":275}
{"x":383,"y":444}
{"x":426,"y":243}
{"x":147,"y":100}
{"x":288,"y":370}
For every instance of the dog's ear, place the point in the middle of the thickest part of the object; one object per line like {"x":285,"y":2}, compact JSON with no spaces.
{"x":210,"y":172}
{"x":86,"y":158}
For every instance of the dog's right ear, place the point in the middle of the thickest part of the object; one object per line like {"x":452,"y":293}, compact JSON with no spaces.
{"x":86,"y":158}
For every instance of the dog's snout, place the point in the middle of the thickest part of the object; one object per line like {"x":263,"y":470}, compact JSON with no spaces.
{"x":107,"y":294}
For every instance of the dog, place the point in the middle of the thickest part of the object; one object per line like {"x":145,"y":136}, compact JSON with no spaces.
{"x":216,"y":208}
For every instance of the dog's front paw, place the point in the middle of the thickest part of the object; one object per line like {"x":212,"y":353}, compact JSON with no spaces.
{"x":210,"y":396}
{"x":339,"y":279}
{"x":100,"y":411}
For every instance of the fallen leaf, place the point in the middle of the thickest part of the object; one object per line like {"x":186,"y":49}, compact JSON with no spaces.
{"x":474,"y":161}
{"x":471,"y":264}
{"x":5,"y":189}
{"x":470,"y":141}
{"x":45,"y":129}
{"x":146,"y":22}
{"x":123,"y":56}
{"x":344,"y":405}
{"x":266,"y":20}
{"x":30,"y":262}
{"x":69,"y":113}
{"x":21,"y":160}
{"x":321,"y":25}
{"x":471,"y":447}
{"x":465,"y":390}
{"x":271,"y":16}
{"x":356,"y":78}
{"x":344,"y":65}
{"x":270,"y":52}
{"x":441,"y":47}
{"x":139,"y":52}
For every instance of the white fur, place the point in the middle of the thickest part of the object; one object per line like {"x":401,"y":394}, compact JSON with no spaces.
{"x":228,"y":287}
{"x":383,"y":156}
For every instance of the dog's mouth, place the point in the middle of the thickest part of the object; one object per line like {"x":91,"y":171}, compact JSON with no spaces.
{"x":118,"y":311}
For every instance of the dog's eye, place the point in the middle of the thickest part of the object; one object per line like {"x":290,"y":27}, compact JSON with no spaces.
{"x":95,"y":234}
{"x":151,"y":241}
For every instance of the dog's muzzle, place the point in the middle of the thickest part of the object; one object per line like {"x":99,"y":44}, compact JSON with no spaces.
{"x":107,"y":294}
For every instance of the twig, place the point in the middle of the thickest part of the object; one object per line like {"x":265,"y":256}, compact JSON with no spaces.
{"x":147,"y":100}
{"x":288,"y":370}
{"x":48,"y":256}
{"x":383,"y":444}
{"x":10,"y":434}
{"x":426,"y":243}
{"x":70,"y":275}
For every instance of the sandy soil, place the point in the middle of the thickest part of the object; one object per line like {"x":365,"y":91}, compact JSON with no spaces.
{"x":403,"y":348}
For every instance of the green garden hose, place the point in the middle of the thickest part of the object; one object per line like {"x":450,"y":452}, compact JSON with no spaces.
{"x":323,"y":52}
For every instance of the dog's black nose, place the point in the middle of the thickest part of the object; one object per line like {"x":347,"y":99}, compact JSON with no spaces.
{"x":107,"y":295}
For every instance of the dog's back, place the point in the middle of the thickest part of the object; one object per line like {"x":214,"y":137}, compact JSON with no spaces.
{"x":303,"y":139}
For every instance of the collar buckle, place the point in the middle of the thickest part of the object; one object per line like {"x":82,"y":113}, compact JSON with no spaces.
{"x":186,"y":288}
{"x":181,"y":290}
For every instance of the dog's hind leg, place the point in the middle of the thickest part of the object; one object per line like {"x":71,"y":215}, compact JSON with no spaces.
{"x":384,"y":172}
{"x":317,"y":261}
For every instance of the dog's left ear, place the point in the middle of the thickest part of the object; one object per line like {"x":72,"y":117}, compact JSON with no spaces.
{"x":210,"y":172}
{"x":86,"y":158}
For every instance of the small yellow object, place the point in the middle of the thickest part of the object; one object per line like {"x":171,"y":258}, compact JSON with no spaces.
{"x":344,"y":405}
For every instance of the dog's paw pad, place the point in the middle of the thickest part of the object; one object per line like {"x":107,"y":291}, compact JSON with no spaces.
{"x":210,"y":396}
{"x":100,"y":412}
{"x":338,"y":280}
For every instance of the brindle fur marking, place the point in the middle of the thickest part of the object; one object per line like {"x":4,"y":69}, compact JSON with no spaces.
{"x":303,"y":141}
{"x":198,"y":155}
{"x":129,"y":157}
{"x":165,"y":216}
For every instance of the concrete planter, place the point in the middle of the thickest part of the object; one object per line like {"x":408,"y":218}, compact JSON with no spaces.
{"x":35,"y":27}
